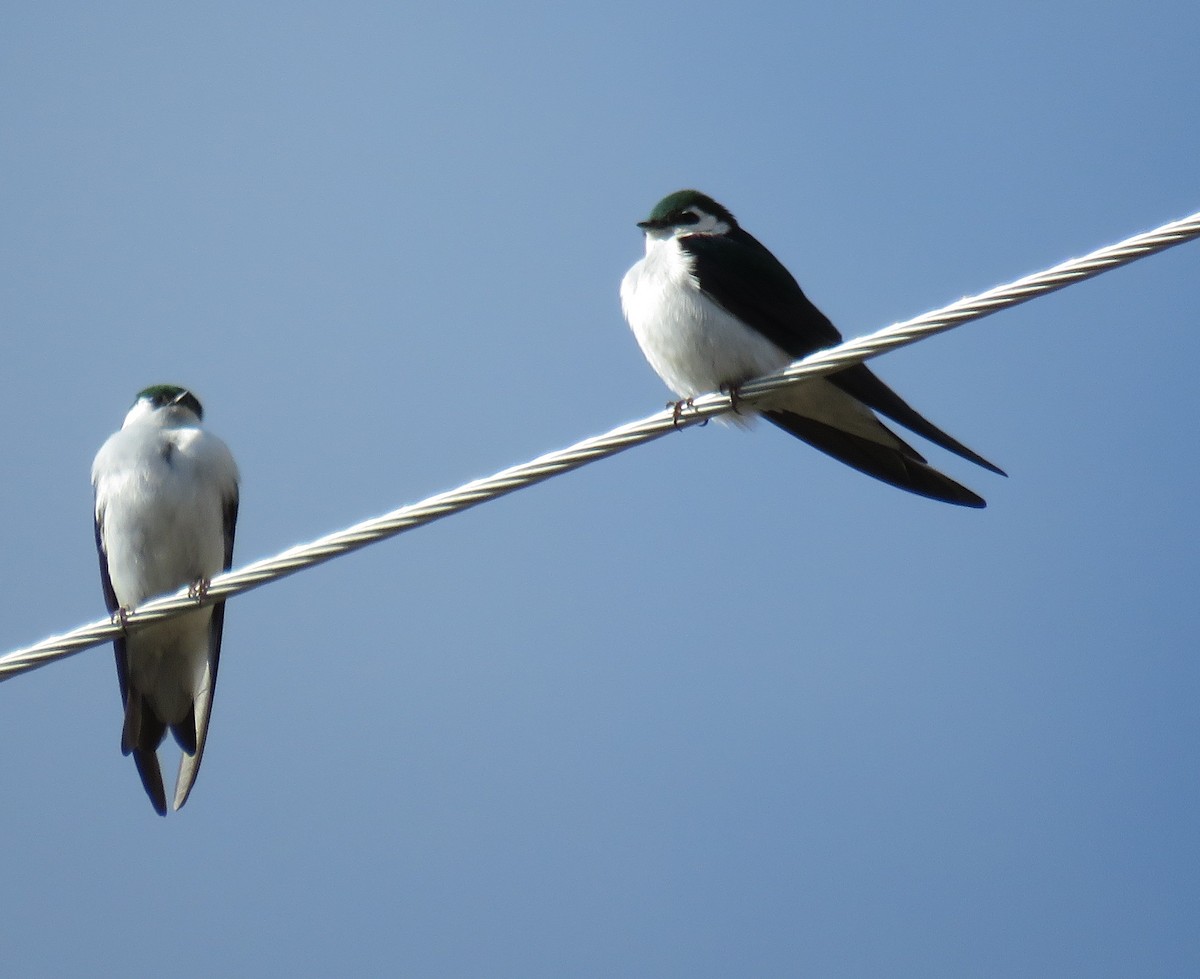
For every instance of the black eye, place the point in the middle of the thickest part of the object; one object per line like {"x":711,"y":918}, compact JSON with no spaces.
{"x":687,"y":217}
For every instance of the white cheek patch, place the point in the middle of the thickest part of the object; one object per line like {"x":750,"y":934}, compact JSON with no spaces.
{"x":709,"y":224}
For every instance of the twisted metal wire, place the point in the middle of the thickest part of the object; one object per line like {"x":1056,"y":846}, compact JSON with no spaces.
{"x":478,"y":491}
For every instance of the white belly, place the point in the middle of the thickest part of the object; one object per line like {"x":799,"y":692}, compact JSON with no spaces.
{"x":690,"y":341}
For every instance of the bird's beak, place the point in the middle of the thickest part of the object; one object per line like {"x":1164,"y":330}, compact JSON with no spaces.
{"x":647,"y":225}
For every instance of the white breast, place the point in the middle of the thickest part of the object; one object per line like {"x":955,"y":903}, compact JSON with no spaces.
{"x":162,"y":519}
{"x":692,"y":343}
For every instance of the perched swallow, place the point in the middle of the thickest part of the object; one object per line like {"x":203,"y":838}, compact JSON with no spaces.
{"x":712,"y":308}
{"x":166,"y":504}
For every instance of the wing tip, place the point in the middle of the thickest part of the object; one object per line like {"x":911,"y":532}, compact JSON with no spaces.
{"x":151,"y":775}
{"x":989,"y":466}
{"x":183,"y":786}
{"x":904,"y":470}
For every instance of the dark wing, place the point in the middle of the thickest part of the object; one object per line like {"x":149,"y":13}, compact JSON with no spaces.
{"x":151,"y":775}
{"x":231,"y":512}
{"x":230,"y":515}
{"x":110,"y":600}
{"x":141,"y":735}
{"x":859,"y":382}
{"x":901,"y":466}
{"x":189,"y":763}
{"x":745,"y":279}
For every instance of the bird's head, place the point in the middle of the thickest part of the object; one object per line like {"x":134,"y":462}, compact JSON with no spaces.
{"x":169,"y":402}
{"x":688,"y":212}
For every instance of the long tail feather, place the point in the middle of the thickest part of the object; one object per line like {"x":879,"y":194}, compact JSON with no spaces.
{"x":903,"y":469}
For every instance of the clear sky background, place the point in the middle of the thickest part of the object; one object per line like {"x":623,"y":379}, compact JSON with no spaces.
{"x":718,"y":706}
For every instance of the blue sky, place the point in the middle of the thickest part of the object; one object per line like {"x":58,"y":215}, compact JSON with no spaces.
{"x":717,"y":706}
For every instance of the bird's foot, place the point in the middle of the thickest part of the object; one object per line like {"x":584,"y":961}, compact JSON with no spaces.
{"x":121,"y":617}
{"x":734,"y":391}
{"x":198,"y":589}
{"x":677,"y":409}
